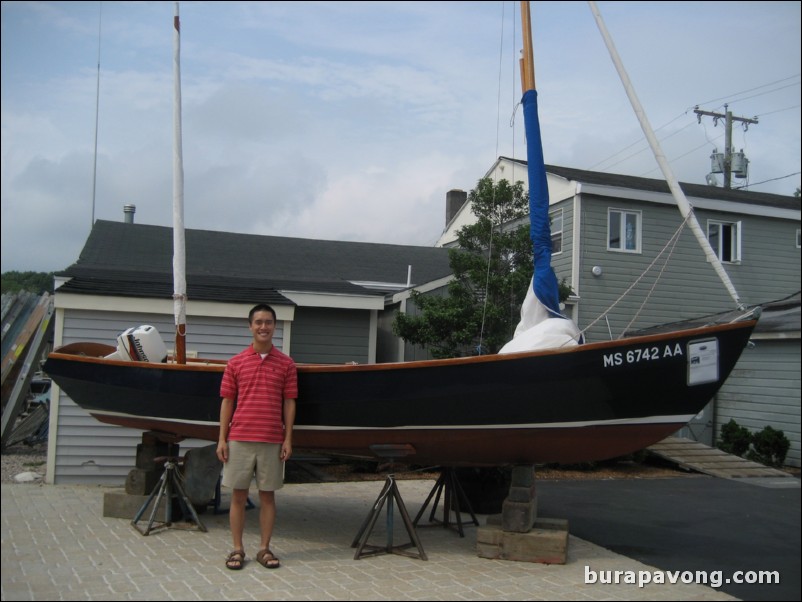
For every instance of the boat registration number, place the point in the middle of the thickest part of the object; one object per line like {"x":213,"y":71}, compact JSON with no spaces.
{"x":643,"y":354}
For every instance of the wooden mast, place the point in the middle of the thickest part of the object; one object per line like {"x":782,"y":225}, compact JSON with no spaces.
{"x":528,"y":58}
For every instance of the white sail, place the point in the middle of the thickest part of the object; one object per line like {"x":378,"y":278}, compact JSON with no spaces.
{"x":538,"y":329}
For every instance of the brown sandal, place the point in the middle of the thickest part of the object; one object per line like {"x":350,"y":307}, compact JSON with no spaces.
{"x":235,"y":560}
{"x":267,"y":559}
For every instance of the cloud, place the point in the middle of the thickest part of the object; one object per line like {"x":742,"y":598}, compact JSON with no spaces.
{"x":351,"y":121}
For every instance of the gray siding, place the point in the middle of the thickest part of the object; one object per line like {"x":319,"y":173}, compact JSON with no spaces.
{"x":90,"y":452}
{"x":561,"y":262}
{"x":330,"y":336}
{"x":770,"y":260}
{"x":764,"y":389}
{"x":213,"y":338}
{"x":688,"y":287}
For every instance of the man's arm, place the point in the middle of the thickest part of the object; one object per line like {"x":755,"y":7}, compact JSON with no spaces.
{"x":226,"y":411}
{"x":289,"y":422}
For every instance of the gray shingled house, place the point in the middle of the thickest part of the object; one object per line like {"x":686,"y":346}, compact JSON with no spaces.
{"x":334,"y":302}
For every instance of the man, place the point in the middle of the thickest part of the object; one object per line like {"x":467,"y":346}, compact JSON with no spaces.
{"x":256,"y":437}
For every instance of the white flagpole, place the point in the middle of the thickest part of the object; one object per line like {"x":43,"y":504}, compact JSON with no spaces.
{"x":179,"y":255}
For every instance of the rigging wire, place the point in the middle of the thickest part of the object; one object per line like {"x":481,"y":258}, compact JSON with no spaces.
{"x":669,"y":246}
{"x":495,"y":175}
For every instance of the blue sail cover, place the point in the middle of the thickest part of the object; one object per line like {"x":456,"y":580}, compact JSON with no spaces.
{"x":542,"y":326}
{"x":544,"y":280}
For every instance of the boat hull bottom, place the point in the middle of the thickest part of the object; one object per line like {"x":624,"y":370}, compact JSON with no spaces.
{"x":451,"y":447}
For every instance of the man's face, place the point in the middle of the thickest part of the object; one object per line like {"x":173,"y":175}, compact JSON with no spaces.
{"x":263,"y":326}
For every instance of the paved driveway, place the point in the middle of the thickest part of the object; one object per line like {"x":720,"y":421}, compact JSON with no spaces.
{"x":690,"y":524}
{"x":56,"y":545}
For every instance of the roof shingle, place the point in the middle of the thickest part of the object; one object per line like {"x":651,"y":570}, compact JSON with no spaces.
{"x":136,"y":260}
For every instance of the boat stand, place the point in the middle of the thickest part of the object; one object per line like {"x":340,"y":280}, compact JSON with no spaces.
{"x":169,"y":486}
{"x":454,"y":499}
{"x":391,"y":496}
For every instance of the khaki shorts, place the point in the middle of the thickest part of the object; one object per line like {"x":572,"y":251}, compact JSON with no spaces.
{"x":246,"y":458}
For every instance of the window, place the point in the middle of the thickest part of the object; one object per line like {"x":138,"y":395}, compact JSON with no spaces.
{"x":556,"y":219}
{"x":725,"y":238}
{"x":623,"y":230}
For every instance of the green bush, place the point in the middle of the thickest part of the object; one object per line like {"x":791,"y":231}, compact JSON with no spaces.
{"x":735,"y":439}
{"x":769,"y":447}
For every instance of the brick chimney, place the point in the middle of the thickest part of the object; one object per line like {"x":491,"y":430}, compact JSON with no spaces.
{"x":455,"y":199}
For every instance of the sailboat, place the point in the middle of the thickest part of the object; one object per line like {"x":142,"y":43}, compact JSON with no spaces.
{"x":562,"y":400}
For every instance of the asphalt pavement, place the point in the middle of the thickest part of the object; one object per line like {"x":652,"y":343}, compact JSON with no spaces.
{"x":692,"y":523}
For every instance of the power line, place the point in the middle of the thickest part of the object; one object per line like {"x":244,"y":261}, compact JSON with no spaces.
{"x":779,"y":110}
{"x":750,"y":90}
{"x":796,"y":173}
{"x":762,"y":93}
{"x":642,"y":149}
{"x":638,"y":141}
{"x":736,"y":94}
{"x":677,"y":158}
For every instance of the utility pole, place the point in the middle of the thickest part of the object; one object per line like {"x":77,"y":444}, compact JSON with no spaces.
{"x":728,"y":119}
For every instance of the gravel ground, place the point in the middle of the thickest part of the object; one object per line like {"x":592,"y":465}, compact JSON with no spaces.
{"x":21,"y":458}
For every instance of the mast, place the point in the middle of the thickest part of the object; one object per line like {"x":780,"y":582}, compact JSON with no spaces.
{"x":544,"y":280}
{"x":679,"y":196}
{"x":542,"y":324}
{"x":97,"y":109}
{"x":528,"y":58}
{"x":179,"y":254}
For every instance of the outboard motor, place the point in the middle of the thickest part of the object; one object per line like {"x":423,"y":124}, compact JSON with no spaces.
{"x":140,"y":344}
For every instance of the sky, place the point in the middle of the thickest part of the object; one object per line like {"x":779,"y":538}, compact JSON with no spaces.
{"x":351,"y":121}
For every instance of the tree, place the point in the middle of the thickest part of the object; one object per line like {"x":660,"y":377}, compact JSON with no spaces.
{"x":483,"y":304}
{"x":33,"y":282}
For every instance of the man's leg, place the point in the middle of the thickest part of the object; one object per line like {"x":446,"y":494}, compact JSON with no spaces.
{"x":236,"y":516}
{"x":236,"y":520}
{"x":269,"y":478}
{"x":267,"y":517}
